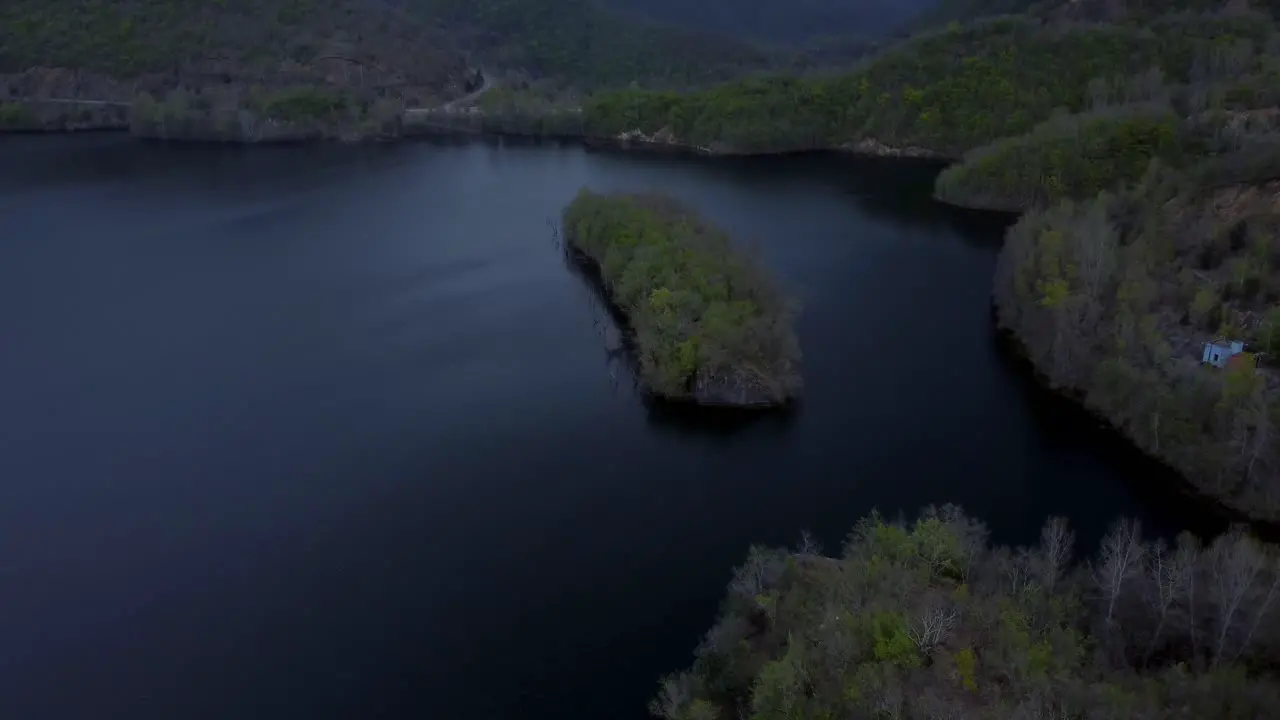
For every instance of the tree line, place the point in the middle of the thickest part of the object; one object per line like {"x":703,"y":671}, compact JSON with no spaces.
{"x":927,"y":619}
{"x":947,"y":91}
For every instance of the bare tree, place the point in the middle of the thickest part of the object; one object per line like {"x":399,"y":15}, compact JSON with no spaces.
{"x":1095,"y":242}
{"x":808,"y":544}
{"x":751,"y":578}
{"x":1188,"y":554}
{"x":675,"y":692}
{"x":1235,"y":563}
{"x":1015,"y":570}
{"x":933,"y":625}
{"x":1119,"y":559}
{"x":1169,"y":573}
{"x":1262,"y":608}
{"x":970,"y":534}
{"x":1056,"y":542}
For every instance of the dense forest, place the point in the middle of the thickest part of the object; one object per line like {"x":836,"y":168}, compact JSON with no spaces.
{"x":928,"y":620}
{"x":778,"y":22}
{"x":1173,"y":118}
{"x":418,"y":44}
{"x":1069,"y":156}
{"x":230,"y":69}
{"x":160,"y":45}
{"x":325,"y":67}
{"x":708,"y":324}
{"x":944,"y":92}
{"x":583,"y":45}
{"x":1113,"y":298}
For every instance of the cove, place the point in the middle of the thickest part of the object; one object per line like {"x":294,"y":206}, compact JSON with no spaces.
{"x":329,"y":431}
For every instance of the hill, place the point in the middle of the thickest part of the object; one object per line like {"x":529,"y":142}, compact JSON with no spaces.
{"x":940,"y":93}
{"x":109,"y":49}
{"x":1114,"y":298}
{"x":418,"y":50}
{"x":584,"y":45}
{"x":774,"y":22}
{"x":1120,"y":273}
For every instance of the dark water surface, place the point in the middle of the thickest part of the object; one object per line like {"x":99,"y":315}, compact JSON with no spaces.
{"x":328,"y":433}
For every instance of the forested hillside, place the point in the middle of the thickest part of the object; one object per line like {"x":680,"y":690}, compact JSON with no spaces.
{"x":926,"y":620}
{"x":165,"y":44}
{"x":1114,"y":297}
{"x":777,"y":22}
{"x":944,"y":92}
{"x":582,"y":44}
{"x":419,"y":49}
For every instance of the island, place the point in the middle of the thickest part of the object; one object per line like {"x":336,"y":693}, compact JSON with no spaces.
{"x":1143,"y":146}
{"x":707,"y":324}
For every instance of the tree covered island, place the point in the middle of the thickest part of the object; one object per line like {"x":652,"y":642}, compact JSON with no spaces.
{"x":708,"y":325}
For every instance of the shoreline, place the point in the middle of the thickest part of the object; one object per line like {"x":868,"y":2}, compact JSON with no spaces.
{"x":410,"y":130}
{"x":1214,"y":506}
{"x":1211,"y":507}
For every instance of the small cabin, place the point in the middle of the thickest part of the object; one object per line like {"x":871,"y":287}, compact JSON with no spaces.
{"x":1219,"y":352}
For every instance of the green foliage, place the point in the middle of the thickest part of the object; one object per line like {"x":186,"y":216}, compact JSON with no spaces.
{"x":302,"y":103}
{"x":1266,"y":336}
{"x":266,"y":113}
{"x":255,"y":41}
{"x":1115,"y":297}
{"x":15,"y":116}
{"x":891,"y":642}
{"x":937,"y":545}
{"x":866,"y":636}
{"x":1074,"y":156}
{"x":700,"y":710}
{"x":966,"y":665}
{"x":703,"y":315}
{"x":779,"y":690}
{"x":577,"y":41}
{"x":948,"y":91}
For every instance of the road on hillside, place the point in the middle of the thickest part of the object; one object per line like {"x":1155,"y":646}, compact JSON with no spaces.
{"x":485,"y":86}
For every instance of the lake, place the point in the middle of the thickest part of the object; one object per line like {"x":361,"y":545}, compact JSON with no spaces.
{"x":329,"y":432}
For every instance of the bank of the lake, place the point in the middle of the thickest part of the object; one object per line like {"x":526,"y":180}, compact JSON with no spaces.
{"x":329,"y":431}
